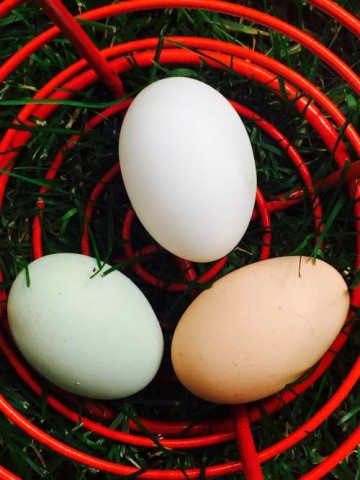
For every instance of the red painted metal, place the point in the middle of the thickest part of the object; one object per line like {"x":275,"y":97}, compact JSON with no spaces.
{"x":213,"y":5}
{"x":109,"y":64}
{"x":246,"y":444}
{"x":72,"y":29}
{"x":7,"y":6}
{"x":333,"y":460}
{"x":6,"y":475}
{"x":339,"y":13}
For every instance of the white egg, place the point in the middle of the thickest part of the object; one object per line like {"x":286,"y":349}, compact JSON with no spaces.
{"x":96,"y":336}
{"x":188,"y":168}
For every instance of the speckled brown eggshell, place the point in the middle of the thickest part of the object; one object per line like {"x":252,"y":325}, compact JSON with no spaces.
{"x":259,"y":328}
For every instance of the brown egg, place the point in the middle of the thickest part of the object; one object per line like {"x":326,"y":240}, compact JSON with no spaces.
{"x":259,"y":328}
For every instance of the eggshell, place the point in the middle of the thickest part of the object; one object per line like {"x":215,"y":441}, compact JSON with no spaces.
{"x":259,"y":328}
{"x":188,"y":168}
{"x":95,"y":336}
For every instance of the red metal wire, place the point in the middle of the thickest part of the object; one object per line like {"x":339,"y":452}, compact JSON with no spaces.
{"x":209,"y":52}
{"x":73,"y":31}
{"x":315,"y":421}
{"x":213,"y":5}
{"x":102,"y":430}
{"x":36,"y":230}
{"x":330,"y":137}
{"x":312,"y":114}
{"x":7,"y":6}
{"x":245,"y":441}
{"x":351,"y":173}
{"x":216,"y":45}
{"x":6,"y":475}
{"x":229,"y":467}
{"x":221,"y":46}
{"x":333,"y":460}
{"x":340,"y":14}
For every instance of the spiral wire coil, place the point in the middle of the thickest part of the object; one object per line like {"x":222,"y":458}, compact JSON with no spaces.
{"x":323,"y":116}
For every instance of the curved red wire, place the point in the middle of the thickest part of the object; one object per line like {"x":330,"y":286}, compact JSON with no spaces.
{"x":11,"y":142}
{"x":340,"y":14}
{"x":8,"y":5}
{"x":333,"y":460}
{"x":216,"y":45}
{"x":226,"y":468}
{"x":6,"y":475}
{"x":213,"y":5}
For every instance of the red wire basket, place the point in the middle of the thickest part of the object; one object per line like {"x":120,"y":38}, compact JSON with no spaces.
{"x":318,"y":110}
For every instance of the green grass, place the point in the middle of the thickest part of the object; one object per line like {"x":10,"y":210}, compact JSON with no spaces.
{"x":96,"y":152}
